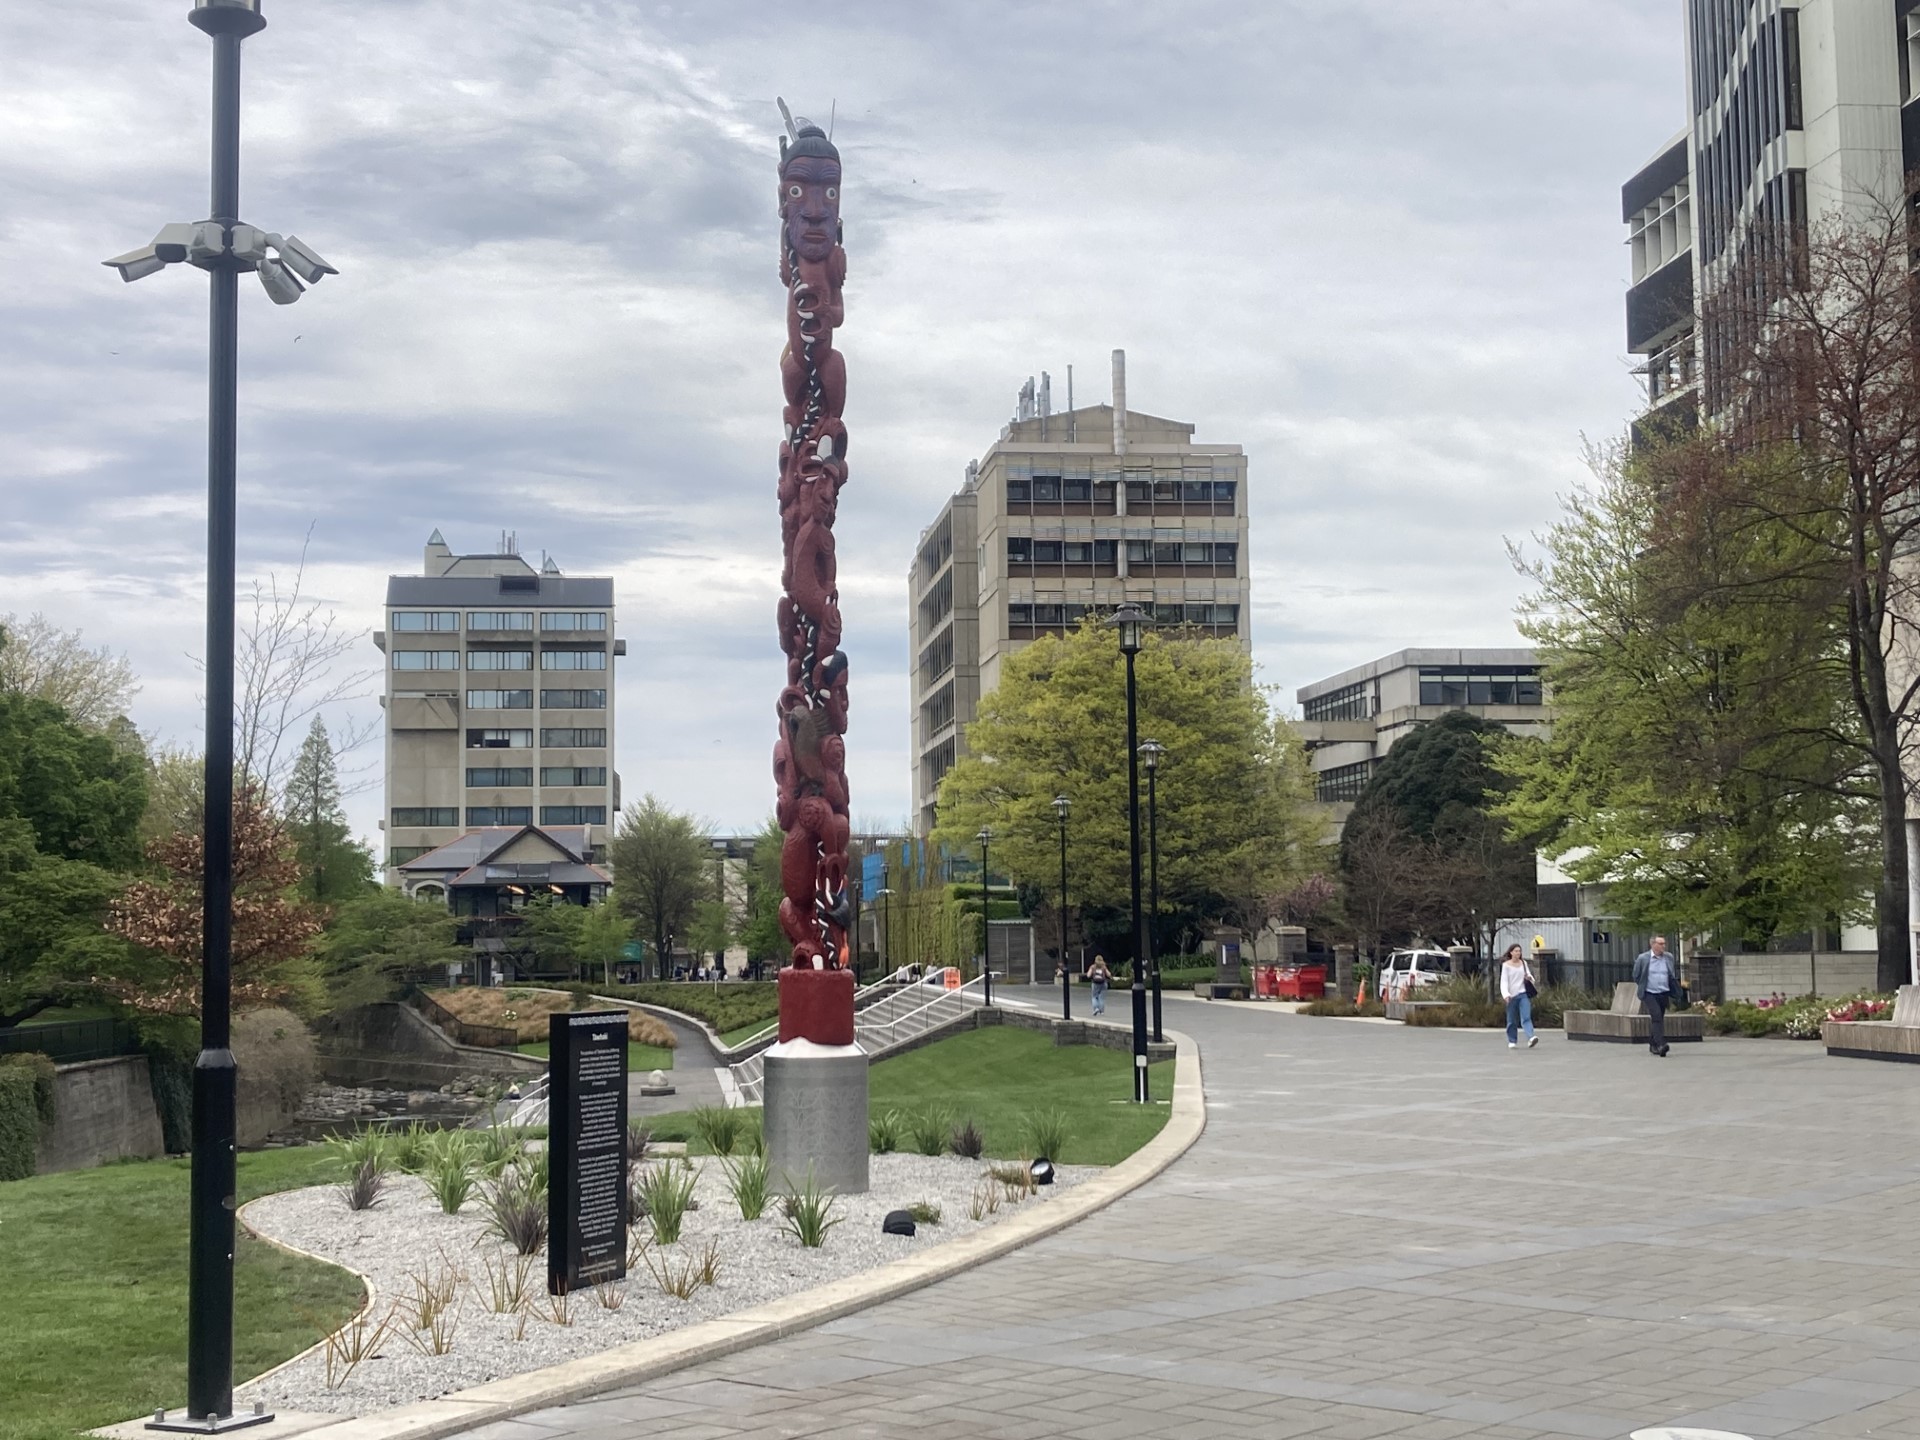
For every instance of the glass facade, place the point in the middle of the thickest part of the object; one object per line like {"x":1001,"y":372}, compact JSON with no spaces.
{"x":1481,"y":685}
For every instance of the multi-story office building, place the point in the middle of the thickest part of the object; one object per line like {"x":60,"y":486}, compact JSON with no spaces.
{"x":1352,"y":719}
{"x":1800,"y":114}
{"x":499,"y":700}
{"x":1067,"y":513}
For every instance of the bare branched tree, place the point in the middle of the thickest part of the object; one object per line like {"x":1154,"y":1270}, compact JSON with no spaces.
{"x":92,"y":684}
{"x":293,"y":661}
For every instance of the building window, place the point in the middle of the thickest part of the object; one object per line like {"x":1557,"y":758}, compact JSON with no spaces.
{"x":573,"y":774}
{"x":401,"y":854}
{"x":1482,"y":685}
{"x":573,"y":814}
{"x":573,"y":620}
{"x":573,"y":659}
{"x":937,"y":659}
{"x":1183,"y":552}
{"x":426,"y":659}
{"x":498,"y":776}
{"x":573,"y":699}
{"x":499,"y":660}
{"x":425,"y":815}
{"x":1343,"y":783}
{"x":499,"y":620}
{"x":1020,"y":550}
{"x":938,"y":712}
{"x":1349,"y":702}
{"x":499,"y":699}
{"x":411,"y":620}
{"x":572,"y":739}
{"x":499,"y":739}
{"x":478,"y":815}
{"x":1019,"y":492}
{"x":938,"y":762}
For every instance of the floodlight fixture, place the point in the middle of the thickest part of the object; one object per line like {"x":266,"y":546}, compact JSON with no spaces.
{"x":301,"y":259}
{"x":1041,"y":1171}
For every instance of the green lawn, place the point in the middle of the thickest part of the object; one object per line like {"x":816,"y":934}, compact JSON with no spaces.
{"x":640,"y":1058}
{"x":730,"y":1038}
{"x":999,"y":1075}
{"x":96,"y":1264}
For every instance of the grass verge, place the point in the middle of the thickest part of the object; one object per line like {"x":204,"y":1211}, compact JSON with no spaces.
{"x":640,"y":1058}
{"x":96,"y":1264}
{"x":998,"y":1076}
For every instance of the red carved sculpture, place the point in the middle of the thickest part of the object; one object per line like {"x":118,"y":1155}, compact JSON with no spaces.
{"x":809,"y":758}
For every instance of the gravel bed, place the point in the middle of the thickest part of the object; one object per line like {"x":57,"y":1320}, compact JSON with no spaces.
{"x":406,"y":1236}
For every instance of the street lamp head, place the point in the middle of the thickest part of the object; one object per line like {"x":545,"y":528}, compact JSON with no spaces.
{"x":1150,"y":753}
{"x":1061,"y":804}
{"x":227,"y":17}
{"x":169,"y":247}
{"x":984,"y":836}
{"x":1130,"y":620}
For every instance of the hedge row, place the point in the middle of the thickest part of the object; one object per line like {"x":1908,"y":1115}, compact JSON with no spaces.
{"x":19,"y":1122}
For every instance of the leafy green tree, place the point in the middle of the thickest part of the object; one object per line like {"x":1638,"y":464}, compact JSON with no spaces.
{"x":70,"y":804}
{"x":760,"y":929}
{"x":662,"y":870}
{"x":1234,"y":792}
{"x":380,"y":942}
{"x":1422,"y":843}
{"x":1706,"y":761}
{"x":549,"y":933}
{"x":81,"y":792}
{"x":711,"y":929}
{"x":602,"y":938}
{"x":333,"y":865}
{"x":94,"y":687}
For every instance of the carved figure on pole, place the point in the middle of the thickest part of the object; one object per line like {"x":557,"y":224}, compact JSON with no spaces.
{"x":809,"y":757}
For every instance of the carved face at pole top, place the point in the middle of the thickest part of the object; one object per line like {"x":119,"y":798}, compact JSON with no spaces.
{"x":810,"y":203}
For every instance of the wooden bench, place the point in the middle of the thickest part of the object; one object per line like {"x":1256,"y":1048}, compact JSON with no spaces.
{"x":1627,"y":1022}
{"x":1895,"y":1039}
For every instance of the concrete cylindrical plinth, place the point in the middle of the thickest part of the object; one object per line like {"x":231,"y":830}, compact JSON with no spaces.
{"x":816,"y":1115}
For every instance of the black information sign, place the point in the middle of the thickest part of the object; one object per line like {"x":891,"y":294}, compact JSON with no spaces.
{"x":587,"y":1150}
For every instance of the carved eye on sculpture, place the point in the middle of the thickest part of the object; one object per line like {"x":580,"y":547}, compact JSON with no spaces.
{"x":793,"y":192}
{"x":833,"y":192}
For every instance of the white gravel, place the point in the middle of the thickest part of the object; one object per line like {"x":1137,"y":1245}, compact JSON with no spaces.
{"x":407,"y":1236}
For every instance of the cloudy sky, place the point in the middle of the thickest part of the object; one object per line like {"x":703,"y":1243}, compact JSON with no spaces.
{"x":1375,"y":242}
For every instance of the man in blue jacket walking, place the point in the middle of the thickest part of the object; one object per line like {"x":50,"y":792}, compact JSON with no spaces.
{"x":1657,"y":978}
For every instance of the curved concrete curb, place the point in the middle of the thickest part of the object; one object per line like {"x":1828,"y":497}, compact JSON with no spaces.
{"x":643,"y":1360}
{"x":367,"y":1288}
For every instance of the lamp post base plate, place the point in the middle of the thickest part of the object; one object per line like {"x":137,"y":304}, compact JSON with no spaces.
{"x":213,"y":1425}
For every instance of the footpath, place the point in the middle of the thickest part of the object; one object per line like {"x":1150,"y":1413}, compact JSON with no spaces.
{"x":1386,"y":1232}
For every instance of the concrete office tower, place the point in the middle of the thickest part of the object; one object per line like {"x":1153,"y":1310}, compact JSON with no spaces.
{"x":499,"y":699}
{"x":1799,"y":115}
{"x":1065,"y":514}
{"x":1350,"y":720}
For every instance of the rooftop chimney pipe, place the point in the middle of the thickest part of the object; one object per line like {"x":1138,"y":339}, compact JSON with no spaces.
{"x":1119,"y":402}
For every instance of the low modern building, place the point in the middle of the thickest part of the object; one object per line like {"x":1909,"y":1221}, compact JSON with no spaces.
{"x":1350,"y":720}
{"x":499,"y":700}
{"x":1067,"y":514}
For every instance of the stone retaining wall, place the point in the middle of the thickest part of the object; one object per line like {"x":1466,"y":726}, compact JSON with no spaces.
{"x":102,"y":1110}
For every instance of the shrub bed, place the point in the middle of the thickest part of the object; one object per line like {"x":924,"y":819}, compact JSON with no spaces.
{"x":19,"y":1122}
{"x":1780,"y":1018}
{"x":726,"y":1006}
{"x":1339,"y":1006}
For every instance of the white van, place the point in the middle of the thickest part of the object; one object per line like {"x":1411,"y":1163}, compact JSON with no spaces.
{"x":1414,"y":969}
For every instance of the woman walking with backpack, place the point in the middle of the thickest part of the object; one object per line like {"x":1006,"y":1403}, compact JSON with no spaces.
{"x":1517,"y":988}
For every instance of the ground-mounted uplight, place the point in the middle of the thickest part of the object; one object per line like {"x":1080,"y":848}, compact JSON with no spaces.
{"x":1041,"y":1172}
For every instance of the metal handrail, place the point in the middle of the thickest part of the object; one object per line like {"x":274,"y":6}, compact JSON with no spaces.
{"x":768,"y":1029}
{"x":531,"y":1108}
{"x":749,"y":1075}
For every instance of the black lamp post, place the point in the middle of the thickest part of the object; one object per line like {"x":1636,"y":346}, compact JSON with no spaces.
{"x":886,"y":925}
{"x":986,"y":939}
{"x":1060,"y":807}
{"x":1131,"y":621}
{"x":1151,"y":751}
{"x":223,"y":247}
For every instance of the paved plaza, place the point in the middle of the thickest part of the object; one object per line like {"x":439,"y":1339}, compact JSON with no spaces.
{"x":1410,"y":1233}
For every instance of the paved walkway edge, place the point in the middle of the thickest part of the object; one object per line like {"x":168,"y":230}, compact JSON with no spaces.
{"x":644,"y":1360}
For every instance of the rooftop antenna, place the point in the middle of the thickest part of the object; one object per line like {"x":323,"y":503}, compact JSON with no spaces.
{"x":833,"y":113}
{"x":1073,"y":422}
